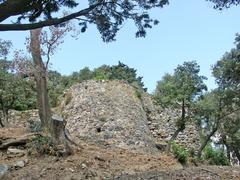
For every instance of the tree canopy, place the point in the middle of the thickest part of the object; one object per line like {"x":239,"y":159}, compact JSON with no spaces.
{"x":185,"y":84}
{"x":107,"y":15}
{"x":220,"y":4}
{"x":180,"y":91}
{"x":227,"y":73}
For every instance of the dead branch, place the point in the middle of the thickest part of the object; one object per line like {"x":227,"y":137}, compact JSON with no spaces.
{"x":18,"y":141}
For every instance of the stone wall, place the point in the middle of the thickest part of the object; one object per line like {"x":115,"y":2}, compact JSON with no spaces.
{"x":162,"y":124}
{"x":107,"y":112}
{"x":21,"y":118}
{"x":114,"y":113}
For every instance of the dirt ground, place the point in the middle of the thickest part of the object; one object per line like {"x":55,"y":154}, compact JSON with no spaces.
{"x":100,"y":162}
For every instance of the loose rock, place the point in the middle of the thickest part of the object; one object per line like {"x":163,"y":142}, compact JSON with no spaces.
{"x":19,"y":164}
{"x":15,"y":151}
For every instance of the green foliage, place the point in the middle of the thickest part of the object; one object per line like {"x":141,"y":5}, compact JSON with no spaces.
{"x":138,"y":93}
{"x":108,"y":16}
{"x":116,"y":72}
{"x":185,"y":84}
{"x":180,"y":91}
{"x":34,"y":126}
{"x":119,"y":72}
{"x":84,"y":74}
{"x":180,"y":152}
{"x":215,"y":156}
{"x":102,"y":73}
{"x":220,"y":4}
{"x":123,"y":72}
{"x":19,"y":93}
{"x":40,"y":145}
{"x":209,"y":110}
{"x":4,"y":48}
{"x":55,"y":87}
{"x":166,"y":90}
{"x":227,"y":74}
{"x":58,"y":83}
{"x":15,"y":92}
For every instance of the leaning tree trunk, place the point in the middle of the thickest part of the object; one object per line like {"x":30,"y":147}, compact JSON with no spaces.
{"x":204,"y":144}
{"x":40,"y":76}
{"x":180,"y":125}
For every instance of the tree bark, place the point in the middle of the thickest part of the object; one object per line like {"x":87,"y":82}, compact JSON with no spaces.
{"x":22,"y":140}
{"x":59,"y":136}
{"x":237,"y":154}
{"x":40,"y":76}
{"x":1,"y":123}
{"x":180,"y":125}
{"x":4,"y":118}
{"x":207,"y":139}
{"x":55,"y":126}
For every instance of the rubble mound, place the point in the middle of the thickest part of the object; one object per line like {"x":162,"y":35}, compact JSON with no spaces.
{"x":108,"y":112}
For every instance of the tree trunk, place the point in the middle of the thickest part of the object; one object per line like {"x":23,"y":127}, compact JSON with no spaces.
{"x":55,"y":126}
{"x":59,"y":137}
{"x":40,"y":76}
{"x":237,"y":154}
{"x":180,"y":125}
{"x":228,"y":152}
{"x":1,"y":118}
{"x":4,"y":118}
{"x":207,"y":139}
{"x":6,"y":115}
{"x":1,"y":123}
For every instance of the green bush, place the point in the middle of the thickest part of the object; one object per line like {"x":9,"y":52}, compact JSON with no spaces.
{"x":41,"y":145}
{"x":215,"y":156}
{"x":180,"y":152}
{"x":138,"y":93}
{"x":34,"y":125}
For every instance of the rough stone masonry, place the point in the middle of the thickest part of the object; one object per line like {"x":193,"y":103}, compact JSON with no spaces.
{"x":113,"y":113}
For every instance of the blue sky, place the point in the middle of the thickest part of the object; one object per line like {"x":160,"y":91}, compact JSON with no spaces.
{"x":188,"y":30}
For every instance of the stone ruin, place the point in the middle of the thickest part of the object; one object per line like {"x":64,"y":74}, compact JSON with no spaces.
{"x":114,"y":113}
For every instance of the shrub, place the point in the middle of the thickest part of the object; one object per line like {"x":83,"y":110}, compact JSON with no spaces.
{"x":180,"y":152}
{"x":45,"y":145}
{"x":41,"y":145}
{"x":215,"y":156}
{"x":138,"y":94}
{"x":34,"y":125}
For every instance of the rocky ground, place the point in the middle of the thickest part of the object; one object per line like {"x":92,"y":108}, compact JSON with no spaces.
{"x":94,"y":161}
